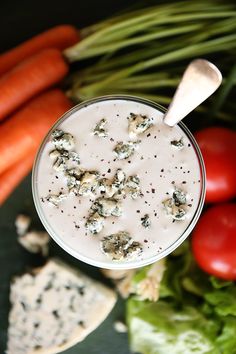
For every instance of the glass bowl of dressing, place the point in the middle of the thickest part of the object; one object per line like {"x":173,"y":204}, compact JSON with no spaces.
{"x":114,"y":186}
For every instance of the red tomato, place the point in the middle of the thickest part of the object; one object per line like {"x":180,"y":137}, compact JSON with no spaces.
{"x":218,"y":147}
{"x":214,"y":241}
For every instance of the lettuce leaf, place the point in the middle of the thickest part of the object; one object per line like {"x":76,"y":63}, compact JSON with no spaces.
{"x":224,"y":301}
{"x":161,"y":328}
{"x":227,"y":339}
{"x":195,"y":314}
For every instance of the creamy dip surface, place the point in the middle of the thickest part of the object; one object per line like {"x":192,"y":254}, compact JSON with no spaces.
{"x":161,"y":167}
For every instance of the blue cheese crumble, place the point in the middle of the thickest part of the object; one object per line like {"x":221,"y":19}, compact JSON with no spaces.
{"x":88,"y":183}
{"x":174,"y":205}
{"x":138,"y":124}
{"x":95,"y":223}
{"x":125,"y":150}
{"x":107,"y":207}
{"x":62,"y":154}
{"x":121,"y":246}
{"x":100,"y":130}
{"x":178,"y":144}
{"x":115,"y":187}
{"x":146,"y":221}
{"x":132,"y":187}
{"x":179,"y":197}
{"x":62,"y":140}
{"x":55,"y":199}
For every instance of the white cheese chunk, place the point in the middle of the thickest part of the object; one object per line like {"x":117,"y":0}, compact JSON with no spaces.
{"x":54,"y":308}
{"x":35,"y":242}
{"x":22,"y":224}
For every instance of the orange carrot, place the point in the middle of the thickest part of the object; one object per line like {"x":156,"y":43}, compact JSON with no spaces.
{"x":10,"y":179}
{"x":23,"y":132}
{"x":59,"y":37}
{"x":29,"y":78}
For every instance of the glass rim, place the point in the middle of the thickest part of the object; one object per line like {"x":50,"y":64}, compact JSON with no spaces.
{"x":130,"y":264}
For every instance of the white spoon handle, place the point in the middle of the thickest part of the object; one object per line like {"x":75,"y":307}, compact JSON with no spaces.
{"x":200,"y":80}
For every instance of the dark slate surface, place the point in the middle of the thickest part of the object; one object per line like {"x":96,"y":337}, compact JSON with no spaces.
{"x":19,"y":20}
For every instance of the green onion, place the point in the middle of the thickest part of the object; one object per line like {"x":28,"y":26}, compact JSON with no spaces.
{"x":144,"y":52}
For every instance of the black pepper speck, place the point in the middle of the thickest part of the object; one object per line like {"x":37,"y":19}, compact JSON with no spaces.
{"x":55,"y":314}
{"x":81,"y":323}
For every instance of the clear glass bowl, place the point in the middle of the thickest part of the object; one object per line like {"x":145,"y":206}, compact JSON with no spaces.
{"x":112,"y":264}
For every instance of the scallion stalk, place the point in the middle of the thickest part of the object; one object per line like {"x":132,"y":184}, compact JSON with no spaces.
{"x":144,"y":52}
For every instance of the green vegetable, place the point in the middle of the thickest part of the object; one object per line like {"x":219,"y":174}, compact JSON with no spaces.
{"x":144,"y":52}
{"x":224,"y":301}
{"x":161,"y":328}
{"x":196,"y":313}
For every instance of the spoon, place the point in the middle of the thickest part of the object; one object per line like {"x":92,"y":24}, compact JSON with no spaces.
{"x":200,"y":80}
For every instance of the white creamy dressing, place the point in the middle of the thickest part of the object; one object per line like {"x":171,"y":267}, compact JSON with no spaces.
{"x":160,"y":167}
